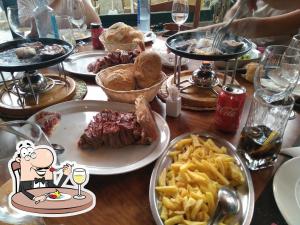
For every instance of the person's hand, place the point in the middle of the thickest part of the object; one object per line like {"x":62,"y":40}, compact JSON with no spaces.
{"x":39,"y":199}
{"x":67,"y":169}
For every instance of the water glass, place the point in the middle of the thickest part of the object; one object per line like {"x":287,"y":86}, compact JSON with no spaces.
{"x":261,"y":138}
{"x":278,"y":72}
{"x":180,"y":12}
{"x":19,"y":27}
{"x":65,"y":29}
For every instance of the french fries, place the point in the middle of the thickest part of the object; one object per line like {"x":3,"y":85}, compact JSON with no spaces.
{"x":187,"y":190}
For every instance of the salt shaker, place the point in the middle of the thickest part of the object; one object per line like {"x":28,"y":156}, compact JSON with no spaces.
{"x":173,"y":102}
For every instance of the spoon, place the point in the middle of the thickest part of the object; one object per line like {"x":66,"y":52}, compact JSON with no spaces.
{"x":228,"y":204}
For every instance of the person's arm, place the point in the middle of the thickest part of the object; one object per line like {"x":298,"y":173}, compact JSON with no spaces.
{"x":254,"y":27}
{"x":284,"y":4}
{"x":90,"y":13}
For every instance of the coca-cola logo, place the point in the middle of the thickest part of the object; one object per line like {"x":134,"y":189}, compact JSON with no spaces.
{"x":227,"y":111}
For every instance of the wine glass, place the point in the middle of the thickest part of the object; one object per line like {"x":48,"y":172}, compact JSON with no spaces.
{"x":295,"y":43}
{"x":77,"y":13}
{"x":79,"y":177}
{"x":278,"y":72}
{"x":180,"y":12}
{"x":65,"y":29}
{"x":19,"y":27}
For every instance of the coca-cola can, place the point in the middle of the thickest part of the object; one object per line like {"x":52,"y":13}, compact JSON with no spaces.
{"x":230,"y":104}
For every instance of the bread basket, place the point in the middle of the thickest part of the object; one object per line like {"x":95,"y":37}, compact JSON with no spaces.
{"x":127,"y":96}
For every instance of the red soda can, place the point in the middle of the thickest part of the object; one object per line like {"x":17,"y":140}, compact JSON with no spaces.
{"x":96,"y":30}
{"x":230,"y":106}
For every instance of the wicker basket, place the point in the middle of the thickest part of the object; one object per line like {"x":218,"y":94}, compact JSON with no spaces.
{"x":127,"y":96}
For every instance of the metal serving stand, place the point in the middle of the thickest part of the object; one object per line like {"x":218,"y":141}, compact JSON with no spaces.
{"x":174,"y":41}
{"x":10,"y":63}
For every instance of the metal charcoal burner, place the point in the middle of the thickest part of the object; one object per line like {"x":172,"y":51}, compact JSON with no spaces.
{"x":32,"y":80}
{"x":204,"y":77}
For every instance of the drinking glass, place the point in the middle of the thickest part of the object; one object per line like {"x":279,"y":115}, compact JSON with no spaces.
{"x":21,"y":28}
{"x":180,"y":12}
{"x":77,"y":13}
{"x":65,"y":29}
{"x":295,"y":43}
{"x":261,"y":138}
{"x":8,"y":143}
{"x":278,"y":72}
{"x":79,"y":177}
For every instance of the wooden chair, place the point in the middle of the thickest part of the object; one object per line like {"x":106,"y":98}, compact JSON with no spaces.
{"x":167,"y":6}
{"x":16,"y":167}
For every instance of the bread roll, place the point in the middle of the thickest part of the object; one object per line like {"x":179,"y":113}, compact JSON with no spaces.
{"x":251,"y":68}
{"x":120,"y":80}
{"x":25,"y":52}
{"x":147,"y":68}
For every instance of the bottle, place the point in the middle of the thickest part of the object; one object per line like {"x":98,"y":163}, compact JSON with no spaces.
{"x":143,"y":15}
{"x":45,"y":20}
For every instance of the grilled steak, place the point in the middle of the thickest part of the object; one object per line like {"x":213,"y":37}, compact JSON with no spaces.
{"x":117,"y":129}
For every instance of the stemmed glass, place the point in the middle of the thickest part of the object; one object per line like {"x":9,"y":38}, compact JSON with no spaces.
{"x":180,"y":12}
{"x":79,"y":177}
{"x":21,"y":28}
{"x":77,"y":16}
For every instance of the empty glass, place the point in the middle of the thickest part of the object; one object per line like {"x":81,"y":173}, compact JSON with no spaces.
{"x":65,"y":29}
{"x":278,"y":72}
{"x":21,"y":28}
{"x":261,"y":138}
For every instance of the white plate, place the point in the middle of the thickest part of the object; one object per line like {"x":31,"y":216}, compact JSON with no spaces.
{"x":76,"y":115}
{"x":286,"y":189}
{"x":149,"y":37}
{"x":82,"y":35}
{"x":78,"y":62}
{"x":63,"y":197}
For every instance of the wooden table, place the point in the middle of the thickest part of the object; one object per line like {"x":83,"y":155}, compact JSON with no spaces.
{"x":124,"y":199}
{"x":50,"y":207}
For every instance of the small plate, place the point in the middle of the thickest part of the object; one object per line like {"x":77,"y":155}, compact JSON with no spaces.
{"x":82,"y":35}
{"x":63,"y":197}
{"x":286,"y":189}
{"x":75,"y":117}
{"x":78,"y":62}
{"x":149,"y":37}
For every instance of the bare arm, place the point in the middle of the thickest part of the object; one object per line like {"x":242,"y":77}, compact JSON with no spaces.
{"x":284,"y":4}
{"x":288,"y":23}
{"x":90,"y":13}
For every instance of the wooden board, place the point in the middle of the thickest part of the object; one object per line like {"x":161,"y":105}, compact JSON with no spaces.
{"x":194,"y":98}
{"x":9,"y":106}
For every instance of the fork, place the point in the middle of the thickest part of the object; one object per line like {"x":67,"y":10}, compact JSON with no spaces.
{"x":222,"y":31}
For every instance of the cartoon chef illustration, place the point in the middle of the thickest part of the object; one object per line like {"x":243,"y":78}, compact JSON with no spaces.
{"x":36,"y":169}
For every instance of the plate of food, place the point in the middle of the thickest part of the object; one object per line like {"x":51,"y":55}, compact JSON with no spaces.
{"x":186,"y":179}
{"x":31,"y":54}
{"x":58,"y":196}
{"x":107,"y":137}
{"x":90,"y":63}
{"x":196,"y":45}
